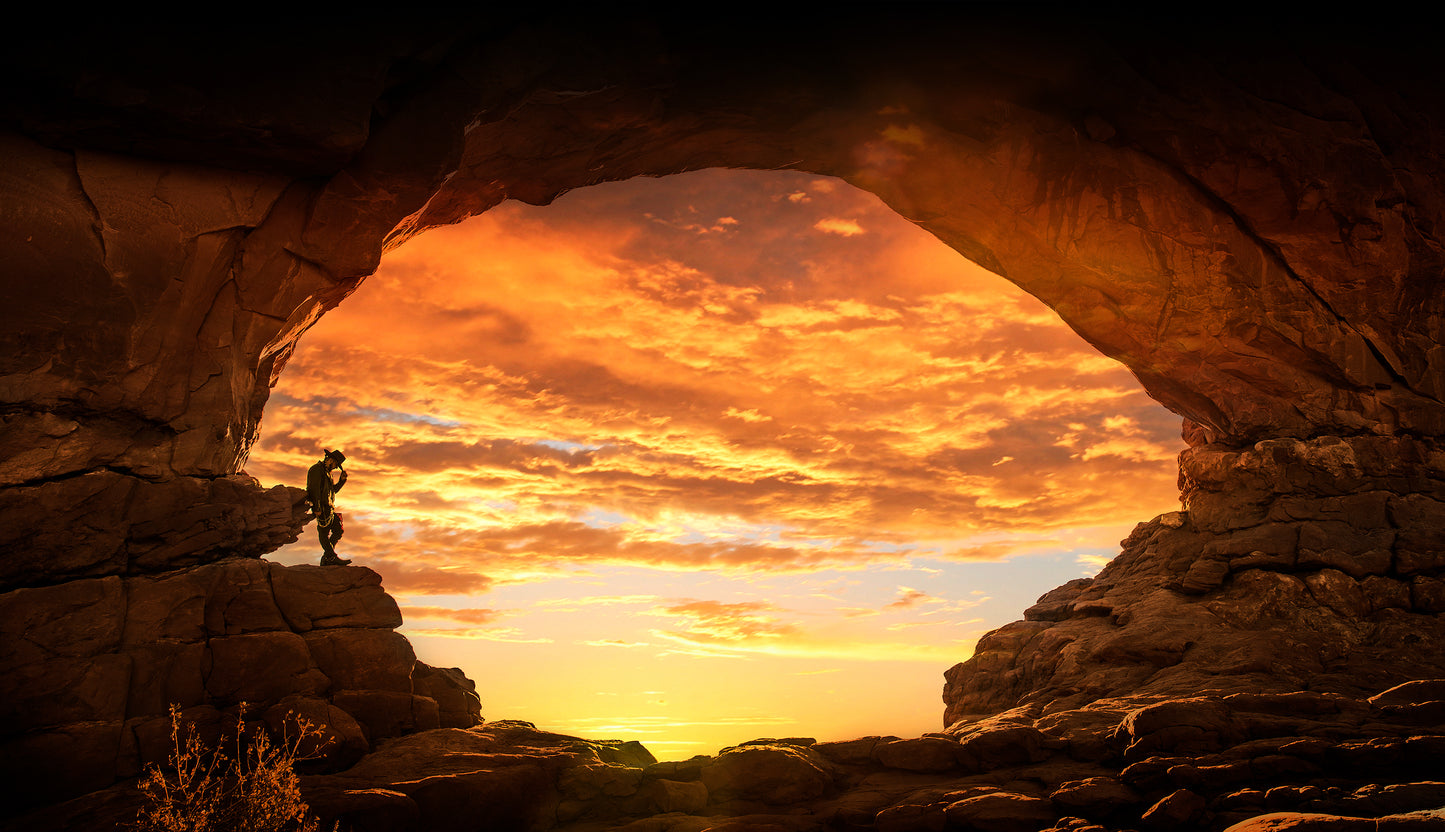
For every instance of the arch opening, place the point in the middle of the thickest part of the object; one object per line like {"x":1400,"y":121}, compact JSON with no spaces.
{"x":664,"y":429}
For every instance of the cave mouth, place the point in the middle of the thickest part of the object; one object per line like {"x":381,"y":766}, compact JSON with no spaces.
{"x":714,"y":420}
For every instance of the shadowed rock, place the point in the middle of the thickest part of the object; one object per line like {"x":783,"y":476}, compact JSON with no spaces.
{"x":89,"y":669}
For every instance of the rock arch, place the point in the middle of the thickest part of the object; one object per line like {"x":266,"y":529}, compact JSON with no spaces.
{"x":1247,"y":227}
{"x":1248,"y":222}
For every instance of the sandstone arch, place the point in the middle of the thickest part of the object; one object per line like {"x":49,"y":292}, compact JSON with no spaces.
{"x":1247,"y":227}
{"x":1246,"y":221}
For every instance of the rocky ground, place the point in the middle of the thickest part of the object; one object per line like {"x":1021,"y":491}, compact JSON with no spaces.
{"x":1278,"y":761}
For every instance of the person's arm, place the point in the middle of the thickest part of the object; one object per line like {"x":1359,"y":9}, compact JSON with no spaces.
{"x":340,"y":480}
{"x":314,"y":495}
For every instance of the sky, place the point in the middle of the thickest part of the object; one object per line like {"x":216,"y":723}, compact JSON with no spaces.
{"x":711,"y":457}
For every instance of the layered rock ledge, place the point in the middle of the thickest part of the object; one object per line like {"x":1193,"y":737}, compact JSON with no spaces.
{"x":1297,"y":565}
{"x":89,"y":669}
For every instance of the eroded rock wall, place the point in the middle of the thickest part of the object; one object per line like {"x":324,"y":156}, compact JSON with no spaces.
{"x":1296,"y":565}
{"x":1246,"y":220}
{"x":90,"y":668}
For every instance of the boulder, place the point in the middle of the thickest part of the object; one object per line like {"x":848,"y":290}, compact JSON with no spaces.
{"x":1187,"y":726}
{"x":383,"y":714}
{"x":778,"y":775}
{"x":1179,"y":809}
{"x":659,"y":797}
{"x":78,"y":619}
{"x":365,"y":810}
{"x":912,"y":817}
{"x":990,"y":746}
{"x":261,"y":668}
{"x":338,"y":741}
{"x":1093,"y":796}
{"x":922,"y":754}
{"x":357,"y":659}
{"x":851,"y":752}
{"x":458,"y":705}
{"x":1308,"y":822}
{"x":1000,"y":812}
{"x":317,"y":597}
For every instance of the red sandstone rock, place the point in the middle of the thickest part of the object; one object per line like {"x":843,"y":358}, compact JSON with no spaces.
{"x":1000,"y":812}
{"x":771,"y":774}
{"x":1178,"y":810}
{"x":313,"y":597}
{"x":854,"y":752}
{"x":456,"y":696}
{"x":923,"y":754}
{"x":506,"y":774}
{"x":1304,"y":822}
{"x":363,"y":659}
{"x":1094,"y":796}
{"x":340,"y":741}
{"x":102,"y":660}
{"x":106,"y":523}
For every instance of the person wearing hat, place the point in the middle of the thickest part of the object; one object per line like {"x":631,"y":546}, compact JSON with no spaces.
{"x":321,"y":493}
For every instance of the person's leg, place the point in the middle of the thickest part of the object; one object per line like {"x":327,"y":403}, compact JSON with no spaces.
{"x":333,"y":533}
{"x":322,"y":534}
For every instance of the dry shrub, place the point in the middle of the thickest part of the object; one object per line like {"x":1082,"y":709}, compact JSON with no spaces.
{"x":253,"y":788}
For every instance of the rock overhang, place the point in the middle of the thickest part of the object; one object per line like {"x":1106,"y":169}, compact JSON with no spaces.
{"x":1237,"y":220}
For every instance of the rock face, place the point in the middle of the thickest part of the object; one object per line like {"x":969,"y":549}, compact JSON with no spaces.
{"x":90,"y":668}
{"x":1298,"y":565}
{"x":107,"y":523}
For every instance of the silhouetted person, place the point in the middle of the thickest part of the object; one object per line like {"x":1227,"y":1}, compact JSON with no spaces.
{"x":321,"y":492}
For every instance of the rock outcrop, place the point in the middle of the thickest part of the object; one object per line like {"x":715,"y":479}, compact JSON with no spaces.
{"x":89,"y":669}
{"x":109,"y":523}
{"x":1297,"y":565}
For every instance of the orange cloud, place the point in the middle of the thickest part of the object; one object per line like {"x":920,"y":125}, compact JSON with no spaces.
{"x":467,"y":616}
{"x":720,"y":622}
{"x":599,"y":382}
{"x":909,"y":598}
{"x":839,"y":226}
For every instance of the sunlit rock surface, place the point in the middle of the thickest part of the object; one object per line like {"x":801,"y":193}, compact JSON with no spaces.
{"x":1246,"y":216}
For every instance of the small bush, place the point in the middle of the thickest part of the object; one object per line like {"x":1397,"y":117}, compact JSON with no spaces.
{"x":252,"y":789}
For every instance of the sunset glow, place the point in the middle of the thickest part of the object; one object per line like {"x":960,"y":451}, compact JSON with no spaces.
{"x":707,"y":458}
